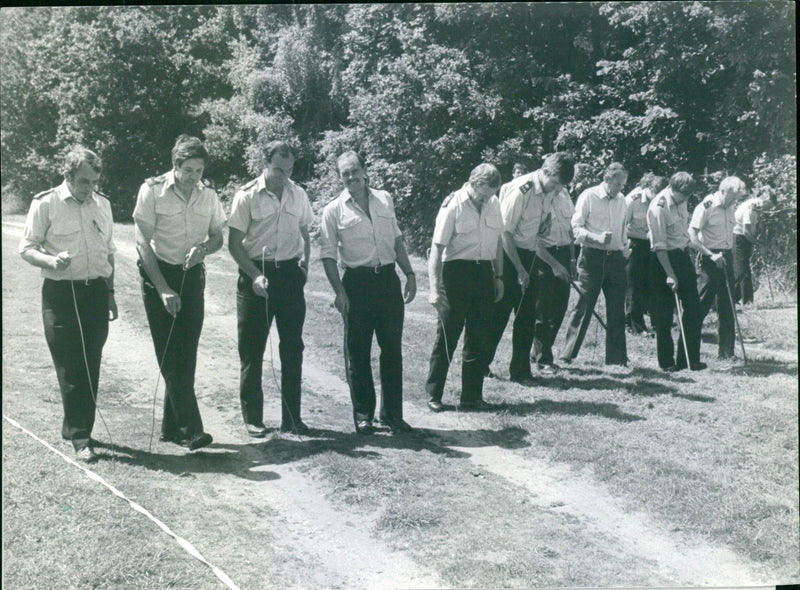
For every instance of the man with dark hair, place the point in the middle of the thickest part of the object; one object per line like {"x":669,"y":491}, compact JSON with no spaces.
{"x":178,"y":223}
{"x":527,"y":210}
{"x":599,"y":226}
{"x":359,"y":229}
{"x":638,"y":266}
{"x":465,"y":270}
{"x":671,"y":271}
{"x":269,"y":241}
{"x":68,"y":234}
{"x":711,"y":233}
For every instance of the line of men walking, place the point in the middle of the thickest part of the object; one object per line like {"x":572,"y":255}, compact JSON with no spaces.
{"x":488,"y":256}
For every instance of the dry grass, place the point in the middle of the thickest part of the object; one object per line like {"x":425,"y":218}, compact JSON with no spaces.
{"x":710,"y":456}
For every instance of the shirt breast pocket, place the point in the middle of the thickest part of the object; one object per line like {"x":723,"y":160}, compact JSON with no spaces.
{"x":168,"y":211}
{"x":263,"y":211}
{"x":465,"y":225}
{"x":354,"y":231}
{"x":65,"y":226}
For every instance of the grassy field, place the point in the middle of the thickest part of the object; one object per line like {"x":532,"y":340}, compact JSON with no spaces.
{"x":593,"y":477}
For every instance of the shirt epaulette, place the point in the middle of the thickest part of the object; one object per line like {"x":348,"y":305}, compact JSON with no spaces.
{"x":447,"y":200}
{"x":44,"y":193}
{"x":249,"y":185}
{"x":707,"y":204}
{"x":156,"y":180}
{"x":662,"y":201}
{"x":526,"y":187}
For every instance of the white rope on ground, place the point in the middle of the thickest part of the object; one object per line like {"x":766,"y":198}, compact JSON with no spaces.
{"x":186,"y":545}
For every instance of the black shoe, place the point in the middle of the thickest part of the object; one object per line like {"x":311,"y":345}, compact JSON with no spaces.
{"x":671,"y":369}
{"x":398,"y":426}
{"x":298,"y":427}
{"x":435,"y":406}
{"x":199,"y":440}
{"x":526,"y":379}
{"x":698,"y":366}
{"x":256,"y":430}
{"x":364,"y":427}
{"x":477,"y":406}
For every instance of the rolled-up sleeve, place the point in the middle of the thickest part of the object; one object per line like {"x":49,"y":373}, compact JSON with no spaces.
{"x":579,"y":219}
{"x":36,"y":225}
{"x":699,"y":217}
{"x":329,"y":235}
{"x":657,"y":224}
{"x":144,"y":214}
{"x":445,"y":223}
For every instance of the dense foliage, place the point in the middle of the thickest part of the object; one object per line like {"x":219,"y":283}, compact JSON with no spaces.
{"x":425,"y":91}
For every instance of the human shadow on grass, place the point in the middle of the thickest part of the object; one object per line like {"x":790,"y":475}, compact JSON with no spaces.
{"x":762,"y":368}
{"x":288,"y":449}
{"x":571,"y":408}
{"x":207,"y":460}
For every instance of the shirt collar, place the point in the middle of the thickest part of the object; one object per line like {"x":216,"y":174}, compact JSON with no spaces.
{"x":169,"y":180}
{"x":261,"y":184}
{"x":606,"y":194}
{"x":64,"y":193}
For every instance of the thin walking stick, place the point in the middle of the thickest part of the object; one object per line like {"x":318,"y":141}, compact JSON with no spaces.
{"x":679,"y":307}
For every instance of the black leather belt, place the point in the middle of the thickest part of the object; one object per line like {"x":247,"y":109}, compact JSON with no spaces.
{"x":277,"y":263}
{"x":371,"y":269}
{"x":79,"y":283}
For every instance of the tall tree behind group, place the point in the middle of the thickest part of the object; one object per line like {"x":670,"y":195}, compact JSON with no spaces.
{"x":426,"y":91}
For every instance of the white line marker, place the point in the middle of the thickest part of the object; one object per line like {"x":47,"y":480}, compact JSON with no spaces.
{"x":186,"y":545}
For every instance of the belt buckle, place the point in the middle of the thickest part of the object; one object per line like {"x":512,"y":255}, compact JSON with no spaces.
{"x":276,"y":263}
{"x":377,"y":268}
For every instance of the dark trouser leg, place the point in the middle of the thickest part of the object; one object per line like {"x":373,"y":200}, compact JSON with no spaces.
{"x":552,"y":299}
{"x":389,"y":334}
{"x":662,"y":308}
{"x":499,"y":312}
{"x":637,"y":270}
{"x":524,"y":320}
{"x":289,"y":304}
{"x":361,"y":320}
{"x":712,"y":289}
{"x":181,"y":412}
{"x":64,"y":341}
{"x":614,"y":293}
{"x":690,"y":301}
{"x":252,"y":330}
{"x":448,"y":331}
{"x":475,"y":335}
{"x":590,"y":279}
{"x":742,"y":250}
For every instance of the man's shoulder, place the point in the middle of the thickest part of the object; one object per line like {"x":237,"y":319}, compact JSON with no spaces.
{"x":710,"y":201}
{"x":156,"y":180}
{"x":45,"y":195}
{"x":452,"y":198}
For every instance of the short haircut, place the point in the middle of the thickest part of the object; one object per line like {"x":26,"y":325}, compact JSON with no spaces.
{"x":351,"y":154}
{"x":560,"y":165}
{"x":77,"y":156}
{"x":614,"y":169}
{"x":188,"y":147}
{"x":485,"y":174}
{"x":682,"y":182}
{"x":657,"y":184}
{"x":519,"y":166}
{"x":279,"y":147}
{"x":732,"y":183}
